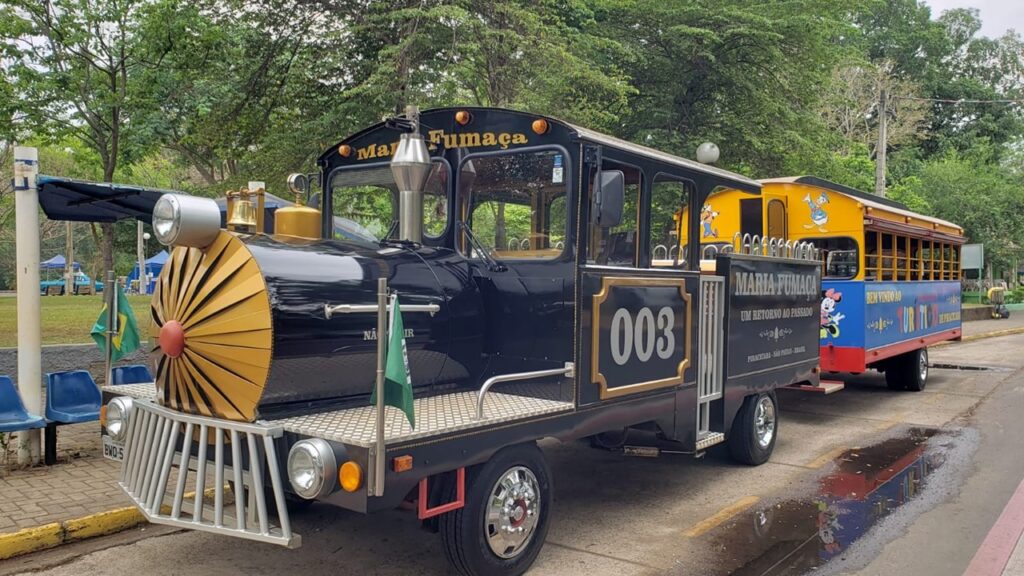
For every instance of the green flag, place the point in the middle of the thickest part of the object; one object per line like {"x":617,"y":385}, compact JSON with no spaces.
{"x":126,"y":340}
{"x":397,"y":382}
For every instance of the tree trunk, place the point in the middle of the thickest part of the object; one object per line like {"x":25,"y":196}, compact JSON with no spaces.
{"x":500,"y":234}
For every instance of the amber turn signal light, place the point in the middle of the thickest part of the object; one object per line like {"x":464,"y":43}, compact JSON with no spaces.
{"x":402,"y":463}
{"x":345,"y":150}
{"x":103,"y":415}
{"x":463,"y":117}
{"x":350,"y":475}
{"x":540,"y":126}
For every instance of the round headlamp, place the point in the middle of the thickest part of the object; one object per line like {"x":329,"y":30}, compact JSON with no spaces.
{"x":312,"y":468}
{"x":186,"y":220}
{"x":118,"y":411}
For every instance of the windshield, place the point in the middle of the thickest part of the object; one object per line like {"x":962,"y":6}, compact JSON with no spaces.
{"x":365,"y":203}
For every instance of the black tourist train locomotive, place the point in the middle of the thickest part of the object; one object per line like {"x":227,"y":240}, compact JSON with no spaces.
{"x":520,"y":249}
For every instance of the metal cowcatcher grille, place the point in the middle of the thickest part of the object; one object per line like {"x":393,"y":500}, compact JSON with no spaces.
{"x":169,"y":456}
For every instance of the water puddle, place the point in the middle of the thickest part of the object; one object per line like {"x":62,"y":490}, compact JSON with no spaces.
{"x":796,"y":536}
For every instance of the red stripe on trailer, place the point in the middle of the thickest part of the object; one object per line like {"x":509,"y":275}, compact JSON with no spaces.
{"x":851,"y":359}
{"x":459,"y":502}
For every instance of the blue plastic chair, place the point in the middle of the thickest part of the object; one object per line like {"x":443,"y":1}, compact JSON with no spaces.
{"x":134,"y":374}
{"x":72,"y":397}
{"x":13,"y":415}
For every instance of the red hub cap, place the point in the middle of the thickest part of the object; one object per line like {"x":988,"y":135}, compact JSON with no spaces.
{"x":519,"y":513}
{"x":172,"y":338}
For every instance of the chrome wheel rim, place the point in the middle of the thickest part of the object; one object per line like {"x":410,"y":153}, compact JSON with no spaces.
{"x":513,"y":511}
{"x":922,"y":364}
{"x":764,"y":421}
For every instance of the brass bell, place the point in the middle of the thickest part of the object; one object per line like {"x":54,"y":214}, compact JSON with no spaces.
{"x":243,"y":213}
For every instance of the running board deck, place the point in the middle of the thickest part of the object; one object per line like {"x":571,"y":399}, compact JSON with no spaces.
{"x":824,"y":387}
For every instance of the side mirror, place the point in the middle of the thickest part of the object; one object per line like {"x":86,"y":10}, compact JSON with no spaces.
{"x":609,"y":198}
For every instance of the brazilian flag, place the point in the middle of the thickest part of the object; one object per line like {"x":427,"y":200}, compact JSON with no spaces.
{"x":126,"y":340}
{"x":397,"y":381}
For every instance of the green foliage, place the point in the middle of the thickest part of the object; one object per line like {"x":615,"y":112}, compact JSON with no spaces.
{"x":205,"y":95}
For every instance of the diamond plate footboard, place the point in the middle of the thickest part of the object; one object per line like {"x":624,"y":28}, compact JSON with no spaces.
{"x":159,"y":465}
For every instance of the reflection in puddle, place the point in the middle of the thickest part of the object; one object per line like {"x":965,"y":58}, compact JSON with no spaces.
{"x":795,"y":536}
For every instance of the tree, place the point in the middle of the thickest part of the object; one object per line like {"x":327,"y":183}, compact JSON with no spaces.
{"x":741,"y":74}
{"x":76,"y":70}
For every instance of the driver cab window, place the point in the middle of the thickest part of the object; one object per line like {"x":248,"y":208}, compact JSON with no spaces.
{"x":515,"y":204}
{"x":365,"y":203}
{"x":618,"y":245}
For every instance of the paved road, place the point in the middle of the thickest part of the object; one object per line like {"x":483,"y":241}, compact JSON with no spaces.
{"x":873,"y":481}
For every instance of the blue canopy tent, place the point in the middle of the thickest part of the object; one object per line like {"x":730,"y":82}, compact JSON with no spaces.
{"x":153,"y":267}
{"x":58,"y":262}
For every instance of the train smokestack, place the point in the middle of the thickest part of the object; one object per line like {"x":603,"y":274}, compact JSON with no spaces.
{"x":411,"y":167}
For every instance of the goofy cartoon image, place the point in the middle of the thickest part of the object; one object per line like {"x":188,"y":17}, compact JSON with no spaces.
{"x":707,"y":217}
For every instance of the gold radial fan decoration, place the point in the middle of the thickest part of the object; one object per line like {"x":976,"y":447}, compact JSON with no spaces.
{"x":212,"y":331}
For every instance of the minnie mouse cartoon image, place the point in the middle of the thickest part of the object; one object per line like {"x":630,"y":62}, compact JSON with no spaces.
{"x":829,"y":317}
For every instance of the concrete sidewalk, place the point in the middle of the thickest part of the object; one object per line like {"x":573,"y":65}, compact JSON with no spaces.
{"x":43,"y":507}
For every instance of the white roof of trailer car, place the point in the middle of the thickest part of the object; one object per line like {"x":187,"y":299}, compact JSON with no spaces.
{"x":628,"y":146}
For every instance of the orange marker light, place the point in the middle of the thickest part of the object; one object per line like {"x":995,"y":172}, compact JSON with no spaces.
{"x":345,"y":150}
{"x":463,"y":117}
{"x":103,"y":415}
{"x":540,"y":126}
{"x":402,"y":463}
{"x":350,"y":476}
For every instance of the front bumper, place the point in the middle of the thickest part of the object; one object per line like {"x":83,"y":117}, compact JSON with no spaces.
{"x":169,"y":472}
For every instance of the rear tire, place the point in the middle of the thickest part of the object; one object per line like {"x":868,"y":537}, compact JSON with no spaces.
{"x":755,"y":429}
{"x":502,"y":527}
{"x":908,"y":371}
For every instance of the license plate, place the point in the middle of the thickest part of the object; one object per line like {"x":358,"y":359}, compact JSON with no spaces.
{"x":112,"y":449}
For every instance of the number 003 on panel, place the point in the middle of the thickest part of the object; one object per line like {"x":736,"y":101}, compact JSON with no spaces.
{"x":641,"y":335}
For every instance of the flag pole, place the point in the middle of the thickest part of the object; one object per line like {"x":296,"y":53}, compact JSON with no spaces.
{"x":382,"y":329}
{"x":111,"y":325}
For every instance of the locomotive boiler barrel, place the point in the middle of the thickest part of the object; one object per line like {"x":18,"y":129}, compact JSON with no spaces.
{"x":240,"y":331}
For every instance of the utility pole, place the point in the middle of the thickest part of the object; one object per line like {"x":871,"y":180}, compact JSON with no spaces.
{"x":140,"y":243}
{"x":69,"y":264}
{"x":30,"y":377}
{"x":883,"y":117}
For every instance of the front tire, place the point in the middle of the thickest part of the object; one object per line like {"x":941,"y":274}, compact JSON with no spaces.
{"x":502,"y":527}
{"x":755,"y":429}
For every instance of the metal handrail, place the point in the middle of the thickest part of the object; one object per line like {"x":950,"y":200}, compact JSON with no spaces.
{"x":567,"y":370}
{"x":367,"y":308}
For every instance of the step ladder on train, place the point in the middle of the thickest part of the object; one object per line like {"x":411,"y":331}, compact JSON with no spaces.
{"x":711,"y":356}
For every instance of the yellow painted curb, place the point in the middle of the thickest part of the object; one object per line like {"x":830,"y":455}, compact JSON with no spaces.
{"x":102,"y":523}
{"x":99,"y":524}
{"x":997,"y":333}
{"x":31,"y":540}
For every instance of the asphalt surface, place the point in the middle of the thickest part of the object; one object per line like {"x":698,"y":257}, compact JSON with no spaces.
{"x":864,"y":481}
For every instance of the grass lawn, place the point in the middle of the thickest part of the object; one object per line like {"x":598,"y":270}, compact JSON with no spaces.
{"x":67,"y":320}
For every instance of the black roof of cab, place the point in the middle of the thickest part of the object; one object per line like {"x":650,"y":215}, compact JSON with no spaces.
{"x":444,"y":117}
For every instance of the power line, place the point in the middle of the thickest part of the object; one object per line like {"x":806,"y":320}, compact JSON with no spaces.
{"x":962,"y":100}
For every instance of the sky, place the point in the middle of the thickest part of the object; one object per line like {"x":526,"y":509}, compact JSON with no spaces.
{"x":997,"y":16}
